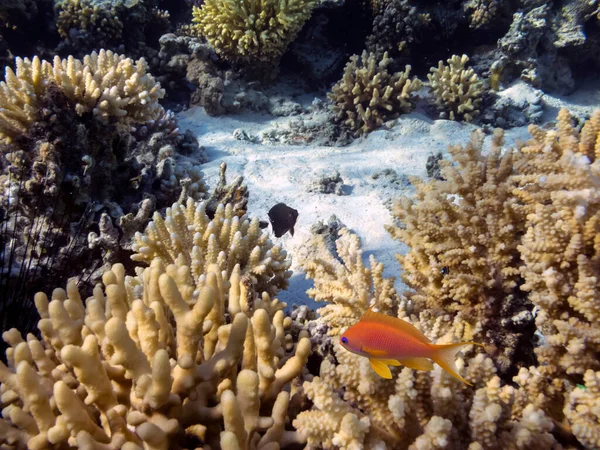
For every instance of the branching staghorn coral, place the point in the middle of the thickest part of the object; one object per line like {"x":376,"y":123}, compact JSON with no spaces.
{"x":558,"y":175}
{"x":188,"y":236}
{"x":251,"y":31}
{"x":152,"y":361}
{"x":345,"y":283}
{"x":107,"y":84}
{"x":457,"y":91}
{"x":353,"y":408}
{"x":368,"y":95}
{"x":533,"y":212}
{"x":463,"y":232}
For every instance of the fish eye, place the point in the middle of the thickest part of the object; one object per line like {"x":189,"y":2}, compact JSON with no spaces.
{"x":344,"y":340}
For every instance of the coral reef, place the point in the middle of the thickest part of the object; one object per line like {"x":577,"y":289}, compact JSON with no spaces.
{"x":188,"y":236}
{"x":368,"y":95}
{"x":91,"y":154}
{"x":559,"y":249}
{"x":483,"y":13}
{"x":457,"y":91}
{"x":397,"y":24}
{"x":463,"y":232}
{"x":120,"y":25}
{"x":354,"y":408}
{"x":101,"y":24}
{"x":152,"y":361}
{"x":252,"y":31}
{"x":107,"y":84}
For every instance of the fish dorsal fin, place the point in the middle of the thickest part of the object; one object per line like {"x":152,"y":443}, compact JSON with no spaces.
{"x":380,"y":368}
{"x":417,"y":363}
{"x":400,"y":324}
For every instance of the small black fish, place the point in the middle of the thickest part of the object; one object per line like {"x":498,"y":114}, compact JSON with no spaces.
{"x":283,"y":218}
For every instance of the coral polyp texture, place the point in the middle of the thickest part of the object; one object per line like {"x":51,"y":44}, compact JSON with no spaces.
{"x":105,"y":83}
{"x":457,"y":91}
{"x":368,"y":95}
{"x":251,"y":31}
{"x":152,"y":361}
{"x":188,"y":236}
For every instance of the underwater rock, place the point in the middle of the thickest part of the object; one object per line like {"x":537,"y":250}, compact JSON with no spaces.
{"x":517,"y":106}
{"x":330,"y":230}
{"x":532,"y":47}
{"x":318,"y":59}
{"x":328,"y":184}
{"x":388,"y":184}
{"x":433,"y":166}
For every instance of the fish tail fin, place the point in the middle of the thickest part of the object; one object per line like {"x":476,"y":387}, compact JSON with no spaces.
{"x":444,"y":355}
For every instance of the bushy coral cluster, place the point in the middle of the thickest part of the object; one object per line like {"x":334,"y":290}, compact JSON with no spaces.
{"x":353,"y":408}
{"x":251,"y":31}
{"x":456,"y":90}
{"x":397,"y":25}
{"x":100,"y":22}
{"x":188,"y":236}
{"x":463,"y":231}
{"x":87,"y":154}
{"x":519,"y":226}
{"x":368,"y":95}
{"x":557,"y":175}
{"x":150,"y":361}
{"x":107,"y":84}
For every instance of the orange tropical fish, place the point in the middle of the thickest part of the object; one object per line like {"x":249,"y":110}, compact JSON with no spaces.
{"x":389,"y":341}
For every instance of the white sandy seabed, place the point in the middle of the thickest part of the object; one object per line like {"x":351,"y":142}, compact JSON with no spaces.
{"x":281,"y":173}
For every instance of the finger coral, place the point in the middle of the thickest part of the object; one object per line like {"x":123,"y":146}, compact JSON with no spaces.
{"x":251,"y":31}
{"x":107,"y":84}
{"x":188,"y":236}
{"x":153,"y":360}
{"x":368,"y":95}
{"x":456,"y":90}
{"x":91,"y":155}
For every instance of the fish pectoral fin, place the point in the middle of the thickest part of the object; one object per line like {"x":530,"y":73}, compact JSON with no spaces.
{"x":376,"y":353}
{"x":390,"y":362}
{"x":417,"y":363}
{"x":380,"y":368}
